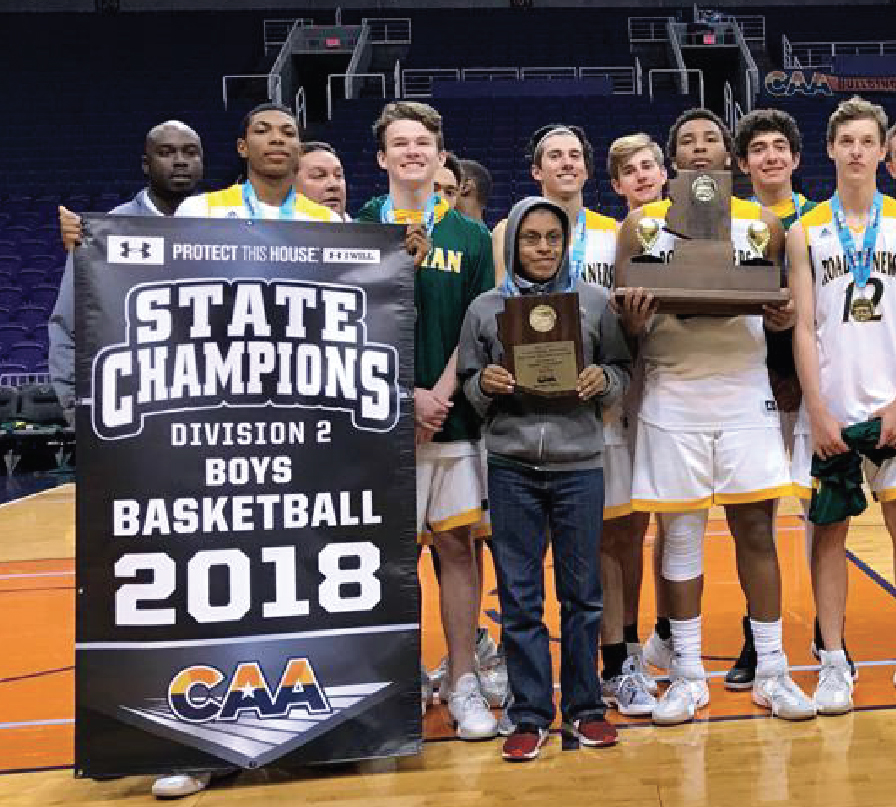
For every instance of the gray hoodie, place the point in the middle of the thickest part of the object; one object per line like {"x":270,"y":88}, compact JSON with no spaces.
{"x":543,"y":433}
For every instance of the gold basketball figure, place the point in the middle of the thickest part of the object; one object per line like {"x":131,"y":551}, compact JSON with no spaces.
{"x":648,"y":232}
{"x":758,"y":236}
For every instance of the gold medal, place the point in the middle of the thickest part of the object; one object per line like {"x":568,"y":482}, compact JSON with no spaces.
{"x":542,"y":318}
{"x":862,"y":310}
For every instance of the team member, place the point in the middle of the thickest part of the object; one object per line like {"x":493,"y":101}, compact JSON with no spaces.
{"x":172,"y":165}
{"x":450,"y":487}
{"x":841,"y":257}
{"x":562,"y":159}
{"x":545,"y":476}
{"x":475,"y":190}
{"x":449,"y":179}
{"x":728,"y":450}
{"x":321,"y":178}
{"x":638,"y":174}
{"x":768,"y":145}
{"x":891,"y":151}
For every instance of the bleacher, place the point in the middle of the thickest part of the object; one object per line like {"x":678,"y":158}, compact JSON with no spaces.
{"x":77,"y":112}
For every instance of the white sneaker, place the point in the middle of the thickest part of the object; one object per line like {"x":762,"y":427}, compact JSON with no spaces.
{"x":493,"y":681}
{"x":472,"y":717}
{"x":636,"y":653}
{"x":486,"y":655}
{"x":680,"y":702}
{"x":778,"y":691}
{"x":658,"y":652}
{"x":179,"y":785}
{"x":627,"y":693}
{"x":439,"y":675}
{"x":486,"y":649}
{"x":833,"y":696}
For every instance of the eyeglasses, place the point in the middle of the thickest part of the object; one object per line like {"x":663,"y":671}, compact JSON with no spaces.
{"x":533,"y":239}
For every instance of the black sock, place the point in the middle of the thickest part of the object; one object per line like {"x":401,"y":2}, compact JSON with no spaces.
{"x":663,"y":628}
{"x":819,"y":641}
{"x":630,"y":633}
{"x":614,"y":656}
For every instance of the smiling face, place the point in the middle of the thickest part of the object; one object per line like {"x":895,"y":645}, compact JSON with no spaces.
{"x":561,"y":169}
{"x":271,"y":145}
{"x":540,"y":245}
{"x":769,"y":163}
{"x":700,"y":146}
{"x":857,"y":150}
{"x":411,"y":156}
{"x":641,"y":179}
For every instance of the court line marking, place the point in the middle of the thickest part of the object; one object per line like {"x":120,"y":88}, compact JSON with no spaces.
{"x":32,"y":495}
{"x":62,"y":721}
{"x":36,"y":574}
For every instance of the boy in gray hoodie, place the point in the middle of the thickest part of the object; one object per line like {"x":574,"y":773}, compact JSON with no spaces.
{"x":545,"y":477}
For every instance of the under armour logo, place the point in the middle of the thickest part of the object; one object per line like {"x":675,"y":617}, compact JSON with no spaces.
{"x":127,"y":248}
{"x":146,"y":250}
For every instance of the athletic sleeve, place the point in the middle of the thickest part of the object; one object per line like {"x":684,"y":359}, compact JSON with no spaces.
{"x":61,"y":330}
{"x":472,"y":358}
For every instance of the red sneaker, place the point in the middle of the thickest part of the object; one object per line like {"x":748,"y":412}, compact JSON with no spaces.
{"x":524,"y":744}
{"x":593,"y":732}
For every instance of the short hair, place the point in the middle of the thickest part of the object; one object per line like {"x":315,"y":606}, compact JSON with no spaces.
{"x":696,"y":113}
{"x":266,"y":107}
{"x":452,"y":163}
{"x":535,"y":146}
{"x":623,"y":148}
{"x":857,"y":108}
{"x":317,"y":145}
{"x":479,"y":175}
{"x":891,"y":135}
{"x":760,"y":121}
{"x":408,"y":110}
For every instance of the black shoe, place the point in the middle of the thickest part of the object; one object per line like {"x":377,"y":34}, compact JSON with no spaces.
{"x":741,"y":675}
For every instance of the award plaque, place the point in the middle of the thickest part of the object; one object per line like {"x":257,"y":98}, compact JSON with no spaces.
{"x":542,"y":339}
{"x":701,"y":277}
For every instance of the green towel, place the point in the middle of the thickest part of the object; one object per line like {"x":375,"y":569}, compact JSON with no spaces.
{"x":840,"y":493}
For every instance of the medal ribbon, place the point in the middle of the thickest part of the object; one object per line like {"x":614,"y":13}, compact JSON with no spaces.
{"x":577,"y":247}
{"x":250,"y":200}
{"x":387,"y":214}
{"x":859,"y":263}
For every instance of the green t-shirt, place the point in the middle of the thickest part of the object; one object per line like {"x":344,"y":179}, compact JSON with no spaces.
{"x":456,"y":271}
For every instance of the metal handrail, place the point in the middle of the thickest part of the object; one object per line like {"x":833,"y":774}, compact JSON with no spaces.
{"x":728,"y":105}
{"x":738,"y":114}
{"x":347,"y":76}
{"x":302,"y":108}
{"x":751,"y":80}
{"x":672,"y":38}
{"x":420,"y":80}
{"x":273,"y":82}
{"x":654,"y":70}
{"x":821,"y":54}
{"x":752,"y":25}
{"x":639,"y":77}
{"x":353,"y":63}
{"x":648,"y":29}
{"x":272,"y":28}
{"x":397,"y":79}
{"x":389,"y":30}
{"x":622,"y":78}
{"x":489,"y":73}
{"x":547,"y":72}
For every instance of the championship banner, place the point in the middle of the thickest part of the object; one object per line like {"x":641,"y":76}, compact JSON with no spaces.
{"x":246,"y":553}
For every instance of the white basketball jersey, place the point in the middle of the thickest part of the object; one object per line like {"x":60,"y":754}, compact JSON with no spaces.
{"x":600,"y":260}
{"x":707,"y":373}
{"x":857,"y":359}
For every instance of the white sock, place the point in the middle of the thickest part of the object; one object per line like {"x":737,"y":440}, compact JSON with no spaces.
{"x":768,"y":639}
{"x":686,"y":646}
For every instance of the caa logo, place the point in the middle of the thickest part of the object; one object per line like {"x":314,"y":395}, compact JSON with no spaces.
{"x":190,"y":693}
{"x":131,"y":249}
{"x":794,"y":83}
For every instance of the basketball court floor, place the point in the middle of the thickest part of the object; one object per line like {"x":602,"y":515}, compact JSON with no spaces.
{"x":735,"y":754}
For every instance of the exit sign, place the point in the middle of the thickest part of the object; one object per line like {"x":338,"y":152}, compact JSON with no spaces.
{"x":333,"y":42}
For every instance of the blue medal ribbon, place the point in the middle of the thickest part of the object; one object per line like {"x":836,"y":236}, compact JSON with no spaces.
{"x":577,"y":247}
{"x":250,"y":200}
{"x":387,"y":213}
{"x":859,"y":263}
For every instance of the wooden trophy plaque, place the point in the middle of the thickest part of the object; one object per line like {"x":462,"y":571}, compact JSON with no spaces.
{"x":701,"y":277}
{"x":542,"y":339}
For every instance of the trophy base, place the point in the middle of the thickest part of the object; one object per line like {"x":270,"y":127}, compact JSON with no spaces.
{"x":715,"y":302}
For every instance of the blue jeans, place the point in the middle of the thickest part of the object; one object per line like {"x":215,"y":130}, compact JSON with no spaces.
{"x":526,"y":507}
